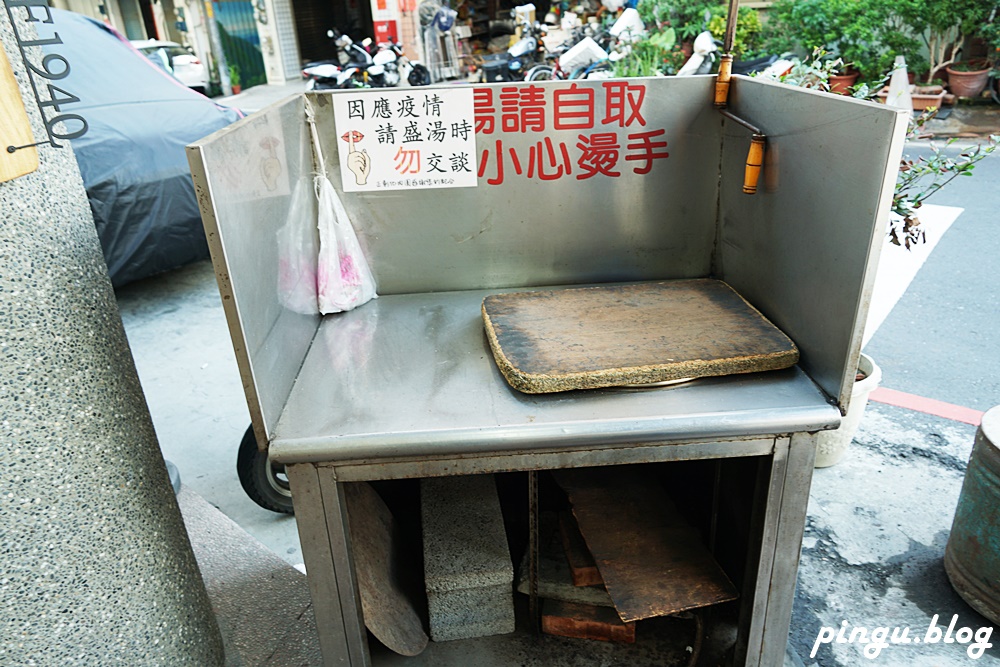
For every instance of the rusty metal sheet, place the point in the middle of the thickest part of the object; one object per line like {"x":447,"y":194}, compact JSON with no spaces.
{"x":653,"y":563}
{"x":615,"y":335}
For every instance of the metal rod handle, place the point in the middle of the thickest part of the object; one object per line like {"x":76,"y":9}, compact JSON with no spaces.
{"x":722,"y":81}
{"x":731,"y":18}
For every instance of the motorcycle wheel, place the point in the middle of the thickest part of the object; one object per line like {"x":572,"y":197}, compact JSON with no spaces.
{"x":585,"y":72}
{"x":264,"y":482}
{"x":541,"y":73}
{"x":419,"y":76}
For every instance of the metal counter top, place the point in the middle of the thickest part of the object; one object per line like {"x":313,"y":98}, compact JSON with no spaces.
{"x":412,"y":375}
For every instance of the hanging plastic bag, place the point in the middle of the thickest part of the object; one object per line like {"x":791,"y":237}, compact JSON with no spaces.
{"x":344,"y":280}
{"x":297,"y":256}
{"x":343,"y":277}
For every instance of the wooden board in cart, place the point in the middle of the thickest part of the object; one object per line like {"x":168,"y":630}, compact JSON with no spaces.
{"x":617,"y":335}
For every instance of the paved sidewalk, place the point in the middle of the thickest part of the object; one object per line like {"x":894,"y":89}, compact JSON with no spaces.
{"x":967,"y":121}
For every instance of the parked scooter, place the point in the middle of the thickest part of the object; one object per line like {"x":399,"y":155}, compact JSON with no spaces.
{"x":397,"y":65}
{"x":518,"y":59}
{"x":356,"y":67}
{"x":323,"y":75}
{"x":348,"y":69}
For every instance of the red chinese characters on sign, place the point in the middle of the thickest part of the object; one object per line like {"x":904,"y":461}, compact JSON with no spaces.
{"x":573,"y":108}
{"x":610,"y":132}
{"x":645,"y":149}
{"x":522,"y":109}
{"x":598,"y":154}
{"x":623,"y":103}
{"x":483,"y":108}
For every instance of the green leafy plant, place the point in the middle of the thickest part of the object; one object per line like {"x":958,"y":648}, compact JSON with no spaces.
{"x":866,"y":33}
{"x":990,"y":34}
{"x":644,"y":59}
{"x":673,"y":60}
{"x":970,"y":66}
{"x":922,"y":177}
{"x":897,"y":39}
{"x":943,"y":25}
{"x":813,"y":73}
{"x":748,"y":40}
{"x":234,"y":75}
{"x":653,"y":56}
{"x":686,"y":17}
{"x":655,"y":13}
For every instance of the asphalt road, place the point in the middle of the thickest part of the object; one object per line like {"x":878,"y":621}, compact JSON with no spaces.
{"x":942,"y":340}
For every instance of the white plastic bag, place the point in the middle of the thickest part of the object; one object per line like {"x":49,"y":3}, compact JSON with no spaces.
{"x":297,"y":255}
{"x":343,"y":277}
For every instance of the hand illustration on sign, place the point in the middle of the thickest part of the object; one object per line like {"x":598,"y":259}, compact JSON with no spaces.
{"x":270,"y":166}
{"x":357,"y":161}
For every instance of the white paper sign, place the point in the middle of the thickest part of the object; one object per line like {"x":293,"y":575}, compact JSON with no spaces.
{"x":406,"y":139}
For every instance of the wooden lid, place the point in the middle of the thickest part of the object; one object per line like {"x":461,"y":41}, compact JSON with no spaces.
{"x":617,"y":335}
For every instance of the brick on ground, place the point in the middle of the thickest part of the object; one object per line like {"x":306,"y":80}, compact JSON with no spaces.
{"x":567,"y":619}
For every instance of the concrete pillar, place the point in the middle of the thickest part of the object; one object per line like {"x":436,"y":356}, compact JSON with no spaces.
{"x":95,"y":565}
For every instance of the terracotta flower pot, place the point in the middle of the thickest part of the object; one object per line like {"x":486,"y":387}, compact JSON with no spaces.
{"x":841,"y":83}
{"x":967,"y":84}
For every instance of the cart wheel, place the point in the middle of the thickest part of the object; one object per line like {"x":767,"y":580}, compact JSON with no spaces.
{"x":264,"y":482}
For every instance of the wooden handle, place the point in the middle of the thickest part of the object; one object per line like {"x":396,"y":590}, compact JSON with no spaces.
{"x":722,"y":82}
{"x":755,"y":158}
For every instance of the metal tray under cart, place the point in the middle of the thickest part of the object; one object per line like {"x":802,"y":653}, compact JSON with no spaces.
{"x":406,"y":385}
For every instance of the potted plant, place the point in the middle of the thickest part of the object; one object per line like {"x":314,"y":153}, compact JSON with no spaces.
{"x":897,"y":39}
{"x":851,"y":31}
{"x":943,"y":25}
{"x":968,"y":78}
{"x":234,"y":79}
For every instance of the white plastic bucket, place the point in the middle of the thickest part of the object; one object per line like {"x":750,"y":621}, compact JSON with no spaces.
{"x":832,"y":445}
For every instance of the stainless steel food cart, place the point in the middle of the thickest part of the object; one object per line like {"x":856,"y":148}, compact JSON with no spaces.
{"x":405,"y":386}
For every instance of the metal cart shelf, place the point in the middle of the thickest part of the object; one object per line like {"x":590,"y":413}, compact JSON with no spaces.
{"x":406,"y":386}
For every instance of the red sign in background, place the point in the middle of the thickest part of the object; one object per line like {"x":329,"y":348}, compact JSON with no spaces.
{"x":384,"y":30}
